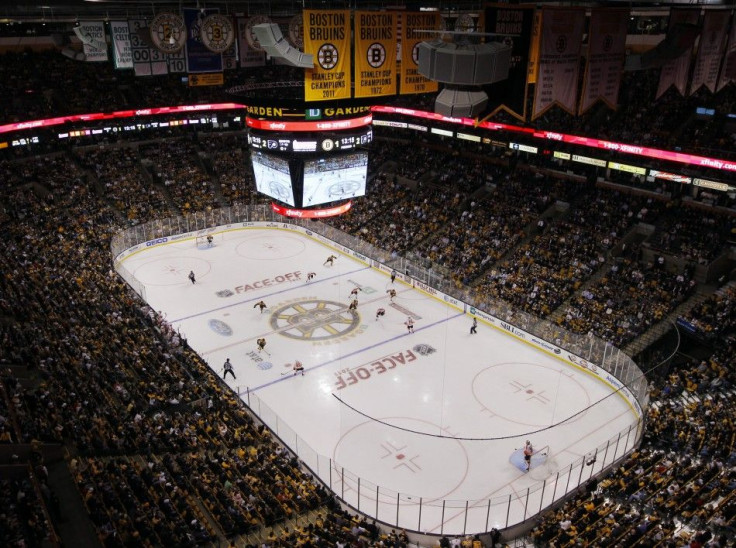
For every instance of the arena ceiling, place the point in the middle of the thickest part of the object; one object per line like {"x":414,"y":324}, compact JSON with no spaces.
{"x":65,"y":10}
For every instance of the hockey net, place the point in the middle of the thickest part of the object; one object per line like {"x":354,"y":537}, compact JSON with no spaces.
{"x":202,"y":242}
{"x":542,"y":463}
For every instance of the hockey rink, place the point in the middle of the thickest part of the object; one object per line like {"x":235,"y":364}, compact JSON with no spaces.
{"x":399,"y":424}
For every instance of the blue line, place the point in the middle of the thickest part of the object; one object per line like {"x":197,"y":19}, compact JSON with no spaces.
{"x":267,"y":295}
{"x":358,"y":351}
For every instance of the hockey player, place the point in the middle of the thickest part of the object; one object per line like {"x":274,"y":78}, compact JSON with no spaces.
{"x":209,"y":240}
{"x":474,"y":327}
{"x":353,"y":305}
{"x":393,"y":276}
{"x":528,"y":452}
{"x":391,"y":294}
{"x":261,"y":344}
{"x":355,"y":292}
{"x":380,"y":312}
{"x":261,"y":305}
{"x":191,"y":277}
{"x":298,"y":367}
{"x":409,"y":323}
{"x":330,"y":259}
{"x":310,"y":276}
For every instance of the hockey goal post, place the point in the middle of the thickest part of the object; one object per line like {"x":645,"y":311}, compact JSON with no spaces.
{"x":201,"y":239}
{"x":541,"y":457}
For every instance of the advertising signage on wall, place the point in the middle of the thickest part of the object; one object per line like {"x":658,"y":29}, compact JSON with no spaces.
{"x":590,"y":161}
{"x":627,"y":168}
{"x":523,"y":148}
{"x":714,"y":185}
{"x":670,"y":176}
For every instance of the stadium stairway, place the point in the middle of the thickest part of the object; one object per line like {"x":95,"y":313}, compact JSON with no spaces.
{"x":654,"y":333}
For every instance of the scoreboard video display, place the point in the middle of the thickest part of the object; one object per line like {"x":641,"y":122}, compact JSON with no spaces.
{"x":334,"y":178}
{"x":315,"y":164}
{"x":273,"y":177}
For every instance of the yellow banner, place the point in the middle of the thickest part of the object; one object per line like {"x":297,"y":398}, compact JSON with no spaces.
{"x":411,"y":80}
{"x":533,"y":68}
{"x":327,"y":38}
{"x":375,"y":53}
{"x":207,"y":79}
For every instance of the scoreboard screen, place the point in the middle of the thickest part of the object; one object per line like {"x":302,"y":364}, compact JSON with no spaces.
{"x":334,"y":178}
{"x":272,"y":177}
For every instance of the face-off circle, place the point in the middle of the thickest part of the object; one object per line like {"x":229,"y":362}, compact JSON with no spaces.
{"x":546,"y":394}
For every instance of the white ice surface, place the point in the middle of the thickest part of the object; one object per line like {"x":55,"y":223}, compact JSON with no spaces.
{"x":458,"y":385}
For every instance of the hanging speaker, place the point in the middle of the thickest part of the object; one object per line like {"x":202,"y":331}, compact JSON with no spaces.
{"x":275,"y":45}
{"x":472,"y":65}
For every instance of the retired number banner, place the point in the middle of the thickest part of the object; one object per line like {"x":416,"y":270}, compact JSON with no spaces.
{"x":559,"y":59}
{"x":411,"y":22}
{"x":710,"y":50}
{"x":606,"y":55}
{"x":199,"y":57}
{"x":375,"y":53}
{"x":327,"y":38}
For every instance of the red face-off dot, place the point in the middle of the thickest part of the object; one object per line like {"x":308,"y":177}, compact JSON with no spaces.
{"x":400,"y":456}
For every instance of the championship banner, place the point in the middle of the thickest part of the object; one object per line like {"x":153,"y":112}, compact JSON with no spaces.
{"x":514,"y":25}
{"x":411,"y":22}
{"x":199,"y":58}
{"x":249,"y":56}
{"x":122,"y":53}
{"x":606,"y":56}
{"x":728,"y":71}
{"x":675,"y":72}
{"x":327,"y":38}
{"x":559,"y":59}
{"x":533,"y":66}
{"x":710,"y":50}
{"x":92,"y":36}
{"x":375,"y":53}
{"x":147,"y":60}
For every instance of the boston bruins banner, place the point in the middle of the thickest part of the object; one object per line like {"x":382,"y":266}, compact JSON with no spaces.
{"x":606,"y":54}
{"x":327,"y":38}
{"x":411,"y":22}
{"x":559,"y":59}
{"x":375,"y":53}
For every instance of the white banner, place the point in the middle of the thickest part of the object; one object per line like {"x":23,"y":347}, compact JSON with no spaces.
{"x":710,"y":51}
{"x":728,"y":71}
{"x":121,"y":49}
{"x":92,"y":36}
{"x":559,"y":59}
{"x":606,"y":54}
{"x":147,"y":60}
{"x":675,"y":72}
{"x":249,"y":57}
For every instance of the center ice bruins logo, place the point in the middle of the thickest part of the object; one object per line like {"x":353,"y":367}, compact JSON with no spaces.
{"x":314,"y":320}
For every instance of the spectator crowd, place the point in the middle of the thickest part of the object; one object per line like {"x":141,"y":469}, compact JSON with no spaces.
{"x":162,"y":453}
